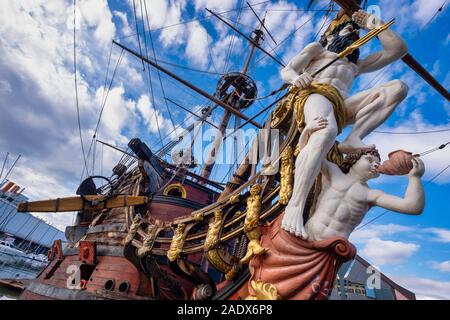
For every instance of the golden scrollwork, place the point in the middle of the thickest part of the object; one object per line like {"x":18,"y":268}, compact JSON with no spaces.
{"x":149,"y":239}
{"x":198,"y":216}
{"x":251,"y":228}
{"x":235,"y":199}
{"x":230,"y":269}
{"x":286,"y":175}
{"x":213,"y":234}
{"x":176,"y":246}
{"x":137,"y":221}
{"x":263,"y":291}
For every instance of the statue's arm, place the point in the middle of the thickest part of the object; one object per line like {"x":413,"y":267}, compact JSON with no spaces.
{"x":414,"y":200}
{"x":318,"y":123}
{"x":294,"y":72}
{"x":394,"y":47}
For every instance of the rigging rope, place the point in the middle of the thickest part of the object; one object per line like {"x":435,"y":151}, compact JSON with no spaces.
{"x":437,"y":12}
{"x":149,"y":78}
{"x":287,"y":37}
{"x":137,"y":33}
{"x":442,"y":146}
{"x":211,"y":55}
{"x":231,"y":46}
{"x":76,"y":83}
{"x":412,"y":132}
{"x":119,"y":60}
{"x":327,"y":16}
{"x":107,"y":72}
{"x":216,"y":73}
{"x":154,"y":57}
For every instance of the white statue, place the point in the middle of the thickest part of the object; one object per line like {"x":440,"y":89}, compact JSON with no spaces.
{"x":345,"y":197}
{"x":366,"y":110}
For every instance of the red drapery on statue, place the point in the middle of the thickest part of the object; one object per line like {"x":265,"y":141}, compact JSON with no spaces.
{"x":299,"y":269}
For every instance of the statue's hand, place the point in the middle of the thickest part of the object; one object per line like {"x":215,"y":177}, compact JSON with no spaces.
{"x":303,"y":81}
{"x":418,"y":168}
{"x":316,"y":124}
{"x":365,"y":20}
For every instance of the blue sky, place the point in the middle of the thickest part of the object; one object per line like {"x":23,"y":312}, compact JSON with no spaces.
{"x":38,"y":110}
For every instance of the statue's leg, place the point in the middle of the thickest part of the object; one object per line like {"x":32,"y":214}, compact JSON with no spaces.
{"x":308,"y":162}
{"x":369,"y":109}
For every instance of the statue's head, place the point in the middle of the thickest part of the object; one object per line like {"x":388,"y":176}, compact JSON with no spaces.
{"x":340,"y":36}
{"x":364,"y":163}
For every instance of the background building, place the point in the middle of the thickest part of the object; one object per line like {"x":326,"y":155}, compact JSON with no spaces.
{"x":24,"y":238}
{"x":353,"y":283}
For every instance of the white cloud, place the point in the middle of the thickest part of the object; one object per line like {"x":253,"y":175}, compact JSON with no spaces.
{"x":163,"y":13}
{"x":118,"y":112}
{"x":283,"y":18}
{"x":148,"y":114}
{"x":424,"y":10}
{"x":197,"y":45}
{"x":440,"y":234}
{"x":300,"y":38}
{"x":383,"y":252}
{"x":410,"y":16}
{"x":97,"y":14}
{"x":126,"y":29}
{"x":378,"y":231}
{"x":215,"y":4}
{"x":443,"y":266}
{"x":425,"y":289}
{"x":220,"y":49}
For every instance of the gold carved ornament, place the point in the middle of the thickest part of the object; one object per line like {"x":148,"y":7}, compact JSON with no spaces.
{"x":149,"y":238}
{"x":286,"y":175}
{"x":211,"y":242}
{"x":176,"y":246}
{"x":137,"y":221}
{"x":263,"y":291}
{"x":251,"y":226}
{"x":213,"y":234}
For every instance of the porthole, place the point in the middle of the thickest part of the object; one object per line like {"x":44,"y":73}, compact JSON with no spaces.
{"x":110,"y":284}
{"x":124,"y":287}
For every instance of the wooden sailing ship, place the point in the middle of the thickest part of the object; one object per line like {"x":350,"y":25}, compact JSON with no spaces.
{"x":156,"y":230}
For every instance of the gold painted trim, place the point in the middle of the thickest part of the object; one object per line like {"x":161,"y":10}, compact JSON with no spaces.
{"x":178,"y":186}
{"x":263,"y":291}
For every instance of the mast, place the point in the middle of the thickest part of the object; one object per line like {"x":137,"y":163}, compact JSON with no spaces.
{"x":10,"y":169}
{"x":233,"y":100}
{"x":4,"y":163}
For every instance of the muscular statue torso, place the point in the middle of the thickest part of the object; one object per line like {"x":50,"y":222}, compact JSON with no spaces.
{"x":341,"y":207}
{"x":340,"y":74}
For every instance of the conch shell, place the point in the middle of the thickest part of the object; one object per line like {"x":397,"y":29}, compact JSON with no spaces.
{"x":399,"y":163}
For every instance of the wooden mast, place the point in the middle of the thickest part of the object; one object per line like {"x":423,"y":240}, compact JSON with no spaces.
{"x":232,"y":100}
